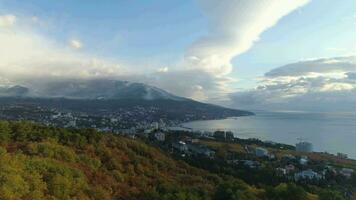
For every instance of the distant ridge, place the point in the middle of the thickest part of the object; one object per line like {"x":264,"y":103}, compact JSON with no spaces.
{"x":107,"y":97}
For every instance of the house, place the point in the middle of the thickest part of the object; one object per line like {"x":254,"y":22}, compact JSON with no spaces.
{"x":201,"y":150}
{"x":307,"y":175}
{"x":147,"y":131}
{"x":261,"y":152}
{"x":281,"y":171}
{"x":160,"y":136}
{"x":342,"y":155}
{"x":180,"y":146}
{"x":233,"y":162}
{"x":303,"y":160}
{"x":289,"y":168}
{"x":346,"y":172}
{"x":251,"y":164}
{"x":271,"y":156}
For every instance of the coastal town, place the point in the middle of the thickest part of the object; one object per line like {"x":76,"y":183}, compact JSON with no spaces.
{"x":299,"y":163}
{"x":215,"y":150}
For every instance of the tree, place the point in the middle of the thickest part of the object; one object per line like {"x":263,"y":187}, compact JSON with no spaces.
{"x":234,"y":190}
{"x":330,"y":195}
{"x":286,"y":191}
{"x":5,"y":131}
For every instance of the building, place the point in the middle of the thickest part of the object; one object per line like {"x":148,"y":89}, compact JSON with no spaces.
{"x":160,"y":136}
{"x":290,"y":168}
{"x":224,"y":135}
{"x":261,"y":152}
{"x":342,"y":155}
{"x":201,"y":150}
{"x":303,"y":160}
{"x":180,"y":146}
{"x":155,"y":125}
{"x":251,"y":164}
{"x":304,"y":147}
{"x":281,"y":171}
{"x":346,"y":172}
{"x":307,"y":175}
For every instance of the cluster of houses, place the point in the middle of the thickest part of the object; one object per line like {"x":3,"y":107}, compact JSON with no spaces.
{"x":189,"y":146}
{"x":295,"y":168}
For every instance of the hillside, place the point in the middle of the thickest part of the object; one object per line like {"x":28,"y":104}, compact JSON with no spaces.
{"x":39,"y":162}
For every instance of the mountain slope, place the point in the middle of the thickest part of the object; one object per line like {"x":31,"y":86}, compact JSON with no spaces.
{"x":13,"y":91}
{"x":131,"y":103}
{"x":90,"y":89}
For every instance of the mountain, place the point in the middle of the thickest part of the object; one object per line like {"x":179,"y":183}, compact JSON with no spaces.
{"x":89,"y":89}
{"x":103,"y":100}
{"x":103,"y":89}
{"x":14,"y":91}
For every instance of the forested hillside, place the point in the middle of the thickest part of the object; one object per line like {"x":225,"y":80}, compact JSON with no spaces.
{"x":38,"y":162}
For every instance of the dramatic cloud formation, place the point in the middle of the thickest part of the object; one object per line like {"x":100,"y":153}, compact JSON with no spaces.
{"x":235,"y":26}
{"x":322,"y":84}
{"x":29,"y":58}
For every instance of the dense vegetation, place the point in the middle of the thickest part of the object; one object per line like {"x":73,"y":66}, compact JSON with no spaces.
{"x":39,"y":162}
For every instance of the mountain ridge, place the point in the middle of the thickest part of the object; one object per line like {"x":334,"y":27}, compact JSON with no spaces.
{"x":98,"y":103}
{"x":89,"y":89}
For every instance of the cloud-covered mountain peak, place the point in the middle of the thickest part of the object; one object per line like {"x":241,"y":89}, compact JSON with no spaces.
{"x":16,"y":91}
{"x":90,"y":89}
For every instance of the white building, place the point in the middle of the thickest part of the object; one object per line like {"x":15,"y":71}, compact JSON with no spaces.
{"x":160,"y":136}
{"x":180,"y":146}
{"x":307,"y":174}
{"x":303,"y":160}
{"x":261,"y":152}
{"x":304,"y":147}
{"x":346,"y":172}
{"x":155,"y":125}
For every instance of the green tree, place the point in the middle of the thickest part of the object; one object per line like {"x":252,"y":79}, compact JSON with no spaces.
{"x":234,"y":190}
{"x":5,"y":131}
{"x":330,"y":195}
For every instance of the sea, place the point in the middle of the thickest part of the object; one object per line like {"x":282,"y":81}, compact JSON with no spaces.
{"x":328,"y":132}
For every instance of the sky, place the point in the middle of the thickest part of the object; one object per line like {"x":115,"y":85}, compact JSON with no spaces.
{"x":253,"y":54}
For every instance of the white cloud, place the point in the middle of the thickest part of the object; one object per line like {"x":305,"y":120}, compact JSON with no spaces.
{"x":28,"y":57}
{"x":75,"y":44}
{"x":319,"y":66}
{"x":323,"y":84}
{"x":328,"y":87}
{"x":234,"y":27}
{"x":27,"y":54}
{"x":163,"y":69}
{"x":7,"y":20}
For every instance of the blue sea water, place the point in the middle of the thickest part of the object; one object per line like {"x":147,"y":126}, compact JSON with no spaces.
{"x":331,"y":132}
